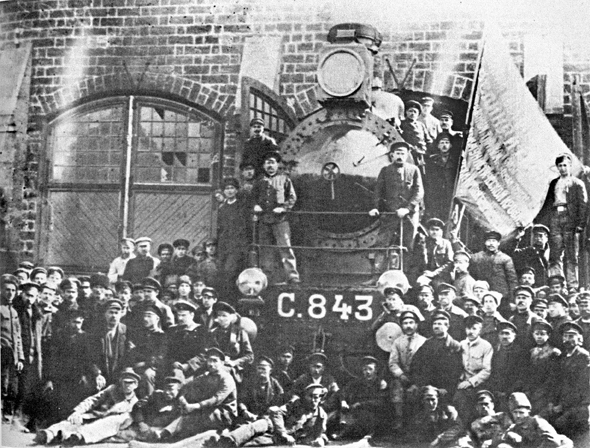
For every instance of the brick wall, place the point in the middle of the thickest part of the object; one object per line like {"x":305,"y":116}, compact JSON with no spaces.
{"x":192,"y":50}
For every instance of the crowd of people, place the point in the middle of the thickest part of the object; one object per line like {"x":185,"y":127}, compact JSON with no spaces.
{"x":493,"y":349}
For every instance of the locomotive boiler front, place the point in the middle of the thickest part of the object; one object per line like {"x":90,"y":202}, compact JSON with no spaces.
{"x":335,"y":156}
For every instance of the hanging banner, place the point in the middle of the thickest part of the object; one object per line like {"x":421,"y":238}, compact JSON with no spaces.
{"x":511,"y":147}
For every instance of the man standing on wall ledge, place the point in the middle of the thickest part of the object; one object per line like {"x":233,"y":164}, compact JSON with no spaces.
{"x":257,"y":146}
{"x":565,"y":213}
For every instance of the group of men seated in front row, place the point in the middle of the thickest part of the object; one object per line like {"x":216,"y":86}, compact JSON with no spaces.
{"x":123,"y":368}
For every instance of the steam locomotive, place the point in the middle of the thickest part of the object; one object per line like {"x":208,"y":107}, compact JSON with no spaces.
{"x":334,"y":157}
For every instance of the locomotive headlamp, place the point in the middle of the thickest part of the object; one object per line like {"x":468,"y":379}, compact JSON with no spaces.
{"x":341,"y":71}
{"x":251,"y":282}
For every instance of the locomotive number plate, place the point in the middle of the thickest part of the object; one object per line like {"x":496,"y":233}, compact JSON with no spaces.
{"x":325,"y":305}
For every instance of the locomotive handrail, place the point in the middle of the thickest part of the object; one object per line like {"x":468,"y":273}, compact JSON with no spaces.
{"x":333,"y":248}
{"x":314,"y":212}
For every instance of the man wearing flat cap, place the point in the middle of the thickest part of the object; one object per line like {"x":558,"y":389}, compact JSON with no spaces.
{"x":430,"y":121}
{"x":583,"y":321}
{"x":98,"y":417}
{"x":13,"y":357}
{"x":258,"y":395}
{"x":144,"y":264}
{"x":508,"y":368}
{"x":187,"y":339}
{"x":415,"y":133}
{"x":110,"y":344}
{"x":150,"y":345}
{"x":476,"y":355}
{"x":496,"y":268}
{"x":436,"y":423}
{"x":399,"y":192}
{"x":535,"y":256}
{"x":439,"y":254}
{"x":151,"y":290}
{"x":364,"y":401}
{"x":438,"y":361}
{"x":557,"y":315}
{"x":447,"y":295}
{"x":568,"y":410}
{"x":152,"y":414}
{"x":400,"y":359}
{"x":232,"y":225}
{"x":181,"y":260}
{"x":29,"y":379}
{"x":258,"y":145}
{"x":490,"y":426}
{"x":208,"y":401}
{"x":231,"y":339}
{"x":69,"y":293}
{"x":523,"y":317}
{"x":565,"y":212}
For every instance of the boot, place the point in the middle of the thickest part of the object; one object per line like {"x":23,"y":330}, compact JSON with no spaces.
{"x":398,"y":416}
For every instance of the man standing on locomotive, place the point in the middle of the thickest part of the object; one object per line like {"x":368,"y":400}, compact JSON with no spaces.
{"x":399,"y":192}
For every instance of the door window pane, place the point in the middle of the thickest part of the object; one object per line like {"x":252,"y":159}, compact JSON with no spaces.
{"x":179,"y":146}
{"x":87,"y":147}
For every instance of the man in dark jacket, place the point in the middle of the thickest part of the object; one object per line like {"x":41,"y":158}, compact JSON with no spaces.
{"x":257,"y":146}
{"x":535,"y":256}
{"x":399,"y":191}
{"x":565,"y":213}
{"x":12,"y":347}
{"x":438,"y":361}
{"x":569,"y":408}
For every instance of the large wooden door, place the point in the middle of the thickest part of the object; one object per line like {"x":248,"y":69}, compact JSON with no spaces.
{"x":126,"y":166}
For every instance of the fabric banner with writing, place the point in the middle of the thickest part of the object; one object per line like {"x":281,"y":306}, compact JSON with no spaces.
{"x":511,"y":147}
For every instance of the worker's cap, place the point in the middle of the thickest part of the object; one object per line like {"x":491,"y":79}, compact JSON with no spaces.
{"x":129,"y":374}
{"x":571,"y":327}
{"x":256,"y":120}
{"x":539,"y":303}
{"x":151,"y":308}
{"x":128,"y":240}
{"x":215,"y":351}
{"x":176,"y":376}
{"x":540,"y":228}
{"x":518,"y":400}
{"x":151,"y":283}
{"x":528,"y":270}
{"x":183,"y":305}
{"x":99,"y":279}
{"x":429,"y":392}
{"x":26,"y":265}
{"x":52,"y":269}
{"x":263,"y":359}
{"x":471,"y":298}
{"x":557,"y":298}
{"x":223,"y":307}
{"x":370,"y":360}
{"x":184,"y":279}
{"x":231,"y":182}
{"x":114,"y":304}
{"x":481,"y":284}
{"x":446,"y":113}
{"x":541,"y":324}
{"x":143,"y":239}
{"x":181,"y":242}
{"x":427,"y":100}
{"x":414,"y":105}
{"x":461,"y":253}
{"x":399,"y":145}
{"x":555,"y":280}
{"x":28,"y":285}
{"x":485,"y":396}
{"x":441,"y":315}
{"x":408,"y":314}
{"x":273,"y":155}
{"x":435,"y":222}
{"x":38,"y":270}
{"x":317,"y":357}
{"x":506,"y":325}
{"x":520,"y":289}
{"x":165,"y":246}
{"x":492,"y":235}
{"x":122,"y":285}
{"x":9,"y":279}
{"x":69,"y":283}
{"x":209,"y":292}
{"x":442,"y":287}
{"x":470,"y":321}
{"x":309,"y":389}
